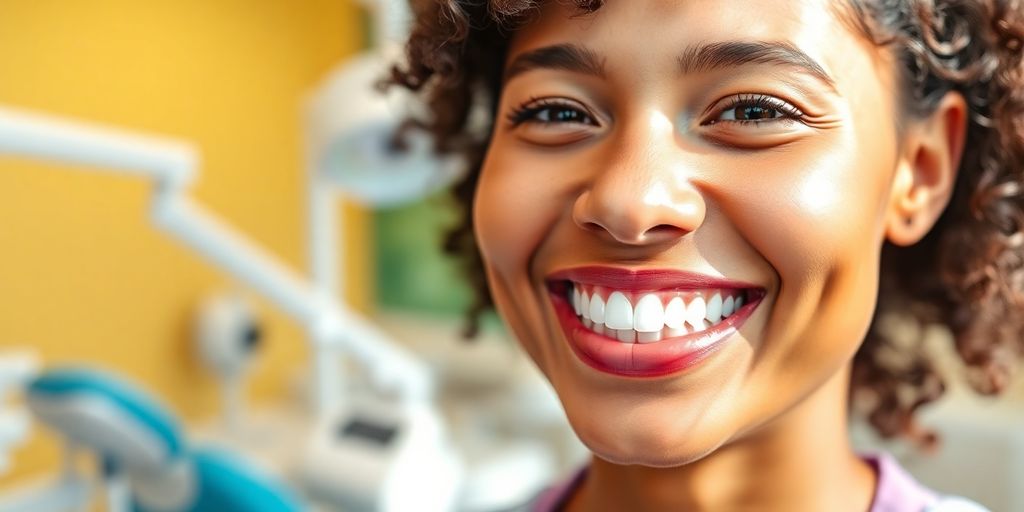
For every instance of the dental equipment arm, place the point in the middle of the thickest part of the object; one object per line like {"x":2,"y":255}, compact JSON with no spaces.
{"x":171,"y":165}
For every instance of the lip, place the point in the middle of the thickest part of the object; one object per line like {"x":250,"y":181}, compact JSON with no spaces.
{"x":646,"y":360}
{"x":646,"y":279}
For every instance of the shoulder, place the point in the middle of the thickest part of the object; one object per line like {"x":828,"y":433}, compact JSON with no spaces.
{"x":898,"y":491}
{"x":555,"y":497}
{"x":956,"y":504}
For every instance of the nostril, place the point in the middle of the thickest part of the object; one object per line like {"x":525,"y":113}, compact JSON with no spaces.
{"x":664,"y":231}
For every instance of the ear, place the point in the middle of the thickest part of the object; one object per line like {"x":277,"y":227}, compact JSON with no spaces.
{"x":926,"y":171}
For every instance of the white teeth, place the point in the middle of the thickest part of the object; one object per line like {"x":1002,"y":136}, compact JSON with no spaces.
{"x":696,"y":312}
{"x":618,"y":313}
{"x":714,"y":313}
{"x":597,"y":309}
{"x":649,"y":316}
{"x":727,"y":306}
{"x":675,"y":333}
{"x":704,"y":324}
{"x":626,"y":335}
{"x":648,"y":337}
{"x":675,"y":313}
{"x":651,"y":321}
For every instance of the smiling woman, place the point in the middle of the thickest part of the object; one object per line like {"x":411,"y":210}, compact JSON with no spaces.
{"x":686,"y":212}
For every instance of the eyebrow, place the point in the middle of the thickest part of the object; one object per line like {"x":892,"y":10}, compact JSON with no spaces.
{"x":567,"y":57}
{"x":712,"y":56}
{"x":694,"y":59}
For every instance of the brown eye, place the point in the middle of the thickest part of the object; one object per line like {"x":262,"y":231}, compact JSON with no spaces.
{"x":756,"y":109}
{"x":551,"y":112}
{"x":562,"y":115}
{"x":753,"y":113}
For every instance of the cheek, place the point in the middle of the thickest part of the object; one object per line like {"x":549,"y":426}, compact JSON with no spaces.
{"x":516,"y":205}
{"x":816,"y":218}
{"x":813,"y":215}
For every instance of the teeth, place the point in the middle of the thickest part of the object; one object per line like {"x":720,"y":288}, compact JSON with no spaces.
{"x":696,"y":312}
{"x":675,"y":313}
{"x":649,"y":315}
{"x":675,"y":333}
{"x":626,"y":335}
{"x":618,"y":313}
{"x":648,"y":337}
{"x":597,"y":309}
{"x":704,"y":324}
{"x":727,"y":306}
{"x":714,"y":313}
{"x":651,"y":320}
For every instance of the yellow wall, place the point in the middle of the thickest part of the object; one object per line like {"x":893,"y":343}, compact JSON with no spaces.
{"x":83,"y":274}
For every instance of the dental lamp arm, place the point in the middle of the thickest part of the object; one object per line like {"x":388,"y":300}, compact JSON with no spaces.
{"x":171,"y":165}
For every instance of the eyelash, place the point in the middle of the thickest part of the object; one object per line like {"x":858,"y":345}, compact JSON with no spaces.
{"x":527,"y":111}
{"x":763,"y":101}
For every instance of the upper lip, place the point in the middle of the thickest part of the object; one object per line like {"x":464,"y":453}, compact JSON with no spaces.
{"x":628,"y":279}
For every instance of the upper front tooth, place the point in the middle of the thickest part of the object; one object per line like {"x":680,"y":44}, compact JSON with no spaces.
{"x":675,"y":313}
{"x":714,"y":313}
{"x":727,"y":306}
{"x":696,"y":312}
{"x":597,"y":309}
{"x":649,"y":315}
{"x":585,"y":305}
{"x":618,"y":313}
{"x":576,"y":301}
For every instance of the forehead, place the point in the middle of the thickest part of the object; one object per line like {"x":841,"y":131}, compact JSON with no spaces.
{"x":658,"y":31}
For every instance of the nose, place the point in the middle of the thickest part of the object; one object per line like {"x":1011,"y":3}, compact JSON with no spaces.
{"x":645,"y":199}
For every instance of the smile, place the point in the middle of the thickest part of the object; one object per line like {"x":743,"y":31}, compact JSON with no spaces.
{"x":648,"y":323}
{"x":656,"y":315}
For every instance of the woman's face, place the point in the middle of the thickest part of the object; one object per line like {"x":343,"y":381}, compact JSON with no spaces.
{"x":681,"y":212}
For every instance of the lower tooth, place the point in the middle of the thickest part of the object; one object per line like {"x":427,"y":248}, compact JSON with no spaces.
{"x":648,"y":337}
{"x":587,"y":322}
{"x":626,"y":335}
{"x":675,"y":333}
{"x":703,"y":325}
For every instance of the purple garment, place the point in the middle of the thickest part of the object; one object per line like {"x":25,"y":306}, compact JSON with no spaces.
{"x":897,"y":491}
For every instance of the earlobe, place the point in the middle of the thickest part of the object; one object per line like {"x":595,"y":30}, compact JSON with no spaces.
{"x":926,"y":172}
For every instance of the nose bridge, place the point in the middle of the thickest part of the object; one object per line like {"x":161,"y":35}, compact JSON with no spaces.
{"x":643,"y":192}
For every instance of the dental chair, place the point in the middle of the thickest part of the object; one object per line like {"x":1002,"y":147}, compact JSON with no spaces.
{"x":145,"y":460}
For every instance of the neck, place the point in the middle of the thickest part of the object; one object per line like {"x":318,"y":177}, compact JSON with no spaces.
{"x":800,"y":460}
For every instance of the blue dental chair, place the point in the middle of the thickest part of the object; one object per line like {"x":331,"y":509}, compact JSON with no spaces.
{"x":139,"y":441}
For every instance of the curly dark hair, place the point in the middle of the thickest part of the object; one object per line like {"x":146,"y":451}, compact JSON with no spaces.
{"x":967,"y":274}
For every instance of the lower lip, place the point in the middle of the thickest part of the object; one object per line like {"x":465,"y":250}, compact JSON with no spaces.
{"x":658,"y":359}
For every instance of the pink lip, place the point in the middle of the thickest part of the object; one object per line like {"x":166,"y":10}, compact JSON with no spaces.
{"x":656,"y":359}
{"x":645,"y":279}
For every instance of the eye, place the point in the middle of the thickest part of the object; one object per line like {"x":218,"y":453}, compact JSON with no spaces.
{"x":755,"y":109}
{"x":551,"y":111}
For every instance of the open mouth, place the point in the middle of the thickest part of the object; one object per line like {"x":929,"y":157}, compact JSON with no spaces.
{"x":648,"y":323}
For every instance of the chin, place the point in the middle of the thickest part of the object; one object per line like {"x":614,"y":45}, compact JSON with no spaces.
{"x":632,"y":444}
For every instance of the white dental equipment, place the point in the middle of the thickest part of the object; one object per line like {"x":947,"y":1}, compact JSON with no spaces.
{"x":15,"y":370}
{"x":332,"y":328}
{"x":227,"y":335}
